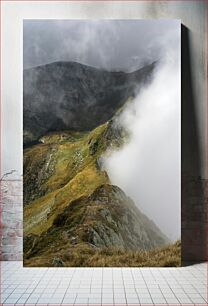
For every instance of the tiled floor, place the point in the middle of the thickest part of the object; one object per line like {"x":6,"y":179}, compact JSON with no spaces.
{"x":103,"y":286}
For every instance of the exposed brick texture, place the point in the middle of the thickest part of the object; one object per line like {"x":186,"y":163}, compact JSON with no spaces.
{"x":11,"y":222}
{"x":194,"y":219}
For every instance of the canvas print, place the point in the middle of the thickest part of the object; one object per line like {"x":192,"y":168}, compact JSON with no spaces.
{"x":101,"y":135}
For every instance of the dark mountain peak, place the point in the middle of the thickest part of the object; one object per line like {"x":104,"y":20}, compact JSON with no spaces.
{"x":70,"y":95}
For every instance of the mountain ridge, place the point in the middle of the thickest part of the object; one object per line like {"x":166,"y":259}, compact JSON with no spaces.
{"x":69,"y":95}
{"x":90,"y":66}
{"x":70,"y":204}
{"x":68,"y":193}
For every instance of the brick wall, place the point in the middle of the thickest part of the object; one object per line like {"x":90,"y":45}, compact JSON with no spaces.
{"x":11,"y":225}
{"x":194,"y":219}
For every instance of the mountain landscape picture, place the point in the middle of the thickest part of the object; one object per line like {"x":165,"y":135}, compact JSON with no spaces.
{"x":101,"y":143}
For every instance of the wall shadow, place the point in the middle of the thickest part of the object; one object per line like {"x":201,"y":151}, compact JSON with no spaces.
{"x":193,"y":226}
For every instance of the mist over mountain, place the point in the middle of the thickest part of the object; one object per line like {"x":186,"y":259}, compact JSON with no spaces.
{"x":101,"y":102}
{"x":72,"y":118}
{"x":70,"y":95}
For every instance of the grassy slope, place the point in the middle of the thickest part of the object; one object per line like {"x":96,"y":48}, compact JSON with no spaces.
{"x":65,"y":167}
{"x":75,"y":173}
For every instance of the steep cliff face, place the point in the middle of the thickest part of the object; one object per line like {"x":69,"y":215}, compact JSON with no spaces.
{"x":69,"y":95}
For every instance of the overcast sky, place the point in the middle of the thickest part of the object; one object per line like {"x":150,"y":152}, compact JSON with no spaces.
{"x":110,"y":44}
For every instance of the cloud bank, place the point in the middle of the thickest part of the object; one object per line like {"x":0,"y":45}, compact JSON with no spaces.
{"x":148,"y":167}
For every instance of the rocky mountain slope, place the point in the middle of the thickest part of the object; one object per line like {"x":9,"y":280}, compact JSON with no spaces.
{"x":71,"y":209}
{"x":69,"y":95}
{"x":70,"y":202}
{"x":106,"y":217}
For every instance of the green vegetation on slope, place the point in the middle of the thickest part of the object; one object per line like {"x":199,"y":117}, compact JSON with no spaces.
{"x":106,"y":218}
{"x":73,"y":216}
{"x":60,"y":170}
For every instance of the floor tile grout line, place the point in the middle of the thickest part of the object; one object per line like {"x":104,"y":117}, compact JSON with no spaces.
{"x":159,"y":287}
{"x":180,"y":287}
{"x":79,"y":285}
{"x":122,"y":269}
{"x":69,"y":286}
{"x":123,"y":276}
{"x":102,"y":273}
{"x":135,"y":286}
{"x":8,"y":296}
{"x":171,"y":291}
{"x":188,"y":294}
{"x":36,"y":284}
{"x":147,"y":287}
